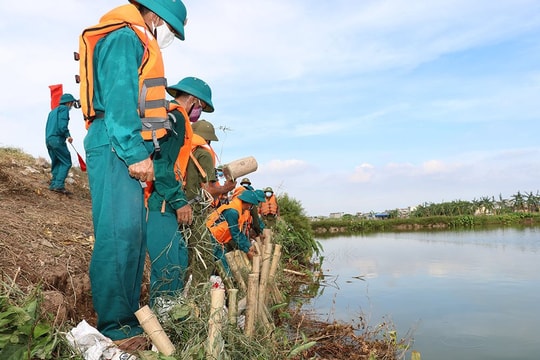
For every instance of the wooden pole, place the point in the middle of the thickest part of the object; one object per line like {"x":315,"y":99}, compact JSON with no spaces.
{"x":233,"y":305}
{"x":265,"y":272}
{"x":215,"y":342}
{"x":152,"y":327}
{"x":256,"y":264}
{"x":263,"y":282}
{"x":244,"y":265}
{"x":253,"y":280}
{"x":233,"y":265}
{"x":276,"y":295}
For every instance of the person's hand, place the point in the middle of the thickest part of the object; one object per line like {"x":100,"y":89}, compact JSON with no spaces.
{"x":184,"y":215}
{"x":229,"y":185}
{"x":143,"y":170}
{"x":70,"y":139}
{"x":252,"y":252}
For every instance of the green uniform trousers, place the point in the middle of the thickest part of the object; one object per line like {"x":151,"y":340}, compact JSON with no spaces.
{"x":117,"y":263}
{"x":168,"y":253}
{"x":60,"y":161}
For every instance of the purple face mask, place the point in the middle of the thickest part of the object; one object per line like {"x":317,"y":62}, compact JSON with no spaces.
{"x":195,"y":113}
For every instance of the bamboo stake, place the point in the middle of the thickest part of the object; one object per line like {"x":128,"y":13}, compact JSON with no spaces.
{"x":233,"y":265}
{"x":233,"y":305}
{"x":277,"y":296}
{"x":265,"y":270}
{"x":244,"y":260}
{"x":256,"y":264}
{"x":275,"y":260}
{"x":251,"y":314}
{"x":152,"y":327}
{"x":294,"y":272}
{"x":215,"y":342}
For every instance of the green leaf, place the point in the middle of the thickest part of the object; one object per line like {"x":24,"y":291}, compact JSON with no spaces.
{"x":14,"y":352}
{"x":41,"y":329}
{"x":301,"y":348}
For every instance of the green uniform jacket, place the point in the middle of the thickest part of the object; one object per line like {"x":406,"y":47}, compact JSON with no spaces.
{"x":166,"y":187}
{"x":116,"y":92}
{"x":57,"y":123}
{"x":194,"y":176}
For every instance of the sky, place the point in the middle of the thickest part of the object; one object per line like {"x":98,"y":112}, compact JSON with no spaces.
{"x":346,"y":105}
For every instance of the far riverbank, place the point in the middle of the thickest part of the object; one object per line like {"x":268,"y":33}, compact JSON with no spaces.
{"x":353,"y":225}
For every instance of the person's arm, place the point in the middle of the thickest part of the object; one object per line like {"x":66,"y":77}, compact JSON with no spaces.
{"x":210,"y":183}
{"x":63,"y":121}
{"x":255,"y":223}
{"x":118,"y":57}
{"x":241,"y":240}
{"x":215,"y":189}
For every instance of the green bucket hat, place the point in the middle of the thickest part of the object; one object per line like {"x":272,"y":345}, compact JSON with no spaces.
{"x":205,"y":130}
{"x":196,"y":87}
{"x":249,"y":197}
{"x":65,"y":98}
{"x":260,"y":195}
{"x":173,"y":12}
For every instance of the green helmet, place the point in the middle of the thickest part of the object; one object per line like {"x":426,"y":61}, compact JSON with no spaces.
{"x":245,"y":181}
{"x":173,"y":12}
{"x":204,"y":129}
{"x":196,"y":87}
{"x":268,"y":189}
{"x":249,"y":197}
{"x":65,"y":98}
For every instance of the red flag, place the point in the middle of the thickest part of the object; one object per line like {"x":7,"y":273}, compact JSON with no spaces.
{"x":82,"y":164}
{"x":56,"y":94}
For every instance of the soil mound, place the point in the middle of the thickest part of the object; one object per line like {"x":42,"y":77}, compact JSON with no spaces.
{"x":46,"y":237}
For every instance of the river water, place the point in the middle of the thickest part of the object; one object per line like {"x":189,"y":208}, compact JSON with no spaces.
{"x":462,"y":295}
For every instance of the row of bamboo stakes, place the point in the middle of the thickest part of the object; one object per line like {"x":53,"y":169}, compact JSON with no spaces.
{"x":255,"y":279}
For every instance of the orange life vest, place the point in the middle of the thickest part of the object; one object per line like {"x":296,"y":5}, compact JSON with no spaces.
{"x":180,"y":165}
{"x":219,"y":227}
{"x":152,"y":103}
{"x":269,"y":207}
{"x":237,"y":191}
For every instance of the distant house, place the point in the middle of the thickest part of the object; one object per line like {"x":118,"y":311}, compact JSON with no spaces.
{"x":381,"y":215}
{"x":336,"y":215}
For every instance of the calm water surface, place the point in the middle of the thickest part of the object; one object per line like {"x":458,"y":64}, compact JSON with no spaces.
{"x":464,"y":295}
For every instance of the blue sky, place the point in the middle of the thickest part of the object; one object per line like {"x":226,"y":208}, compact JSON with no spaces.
{"x":348,"y":106}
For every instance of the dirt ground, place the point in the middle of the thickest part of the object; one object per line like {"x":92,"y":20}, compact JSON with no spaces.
{"x":46,"y":237}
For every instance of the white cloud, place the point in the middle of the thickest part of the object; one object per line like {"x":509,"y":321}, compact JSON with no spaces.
{"x":363,"y":173}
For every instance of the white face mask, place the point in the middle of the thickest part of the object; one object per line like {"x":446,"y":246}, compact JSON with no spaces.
{"x":164,"y":35}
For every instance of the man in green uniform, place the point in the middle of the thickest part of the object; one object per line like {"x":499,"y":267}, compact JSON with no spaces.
{"x":202,"y":184}
{"x":56,"y":134}
{"x":118,"y":158}
{"x":227,"y":225}
{"x":166,"y":244}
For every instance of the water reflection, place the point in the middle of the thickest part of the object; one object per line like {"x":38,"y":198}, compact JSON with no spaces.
{"x":468,"y":294}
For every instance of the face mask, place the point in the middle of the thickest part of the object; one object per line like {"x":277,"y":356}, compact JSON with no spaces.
{"x":164,"y":35}
{"x":268,"y":194}
{"x":195,"y":113}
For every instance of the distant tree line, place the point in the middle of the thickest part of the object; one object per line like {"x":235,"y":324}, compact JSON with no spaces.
{"x":519,"y":202}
